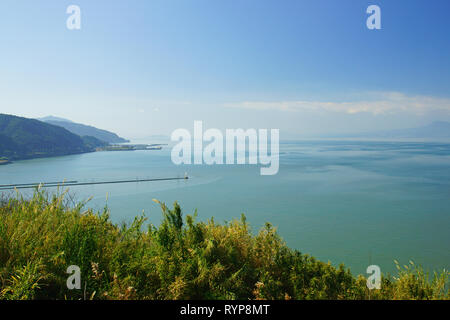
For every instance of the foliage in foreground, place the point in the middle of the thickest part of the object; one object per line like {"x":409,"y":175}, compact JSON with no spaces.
{"x":180,"y":259}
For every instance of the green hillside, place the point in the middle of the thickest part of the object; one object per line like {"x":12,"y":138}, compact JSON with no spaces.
{"x":84,"y":130}
{"x":93,"y":142}
{"x":22,"y":138}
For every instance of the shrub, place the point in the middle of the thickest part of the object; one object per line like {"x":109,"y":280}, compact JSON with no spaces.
{"x":180,"y":259}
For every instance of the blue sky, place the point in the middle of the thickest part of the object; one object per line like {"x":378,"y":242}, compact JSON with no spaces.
{"x":306,"y":67}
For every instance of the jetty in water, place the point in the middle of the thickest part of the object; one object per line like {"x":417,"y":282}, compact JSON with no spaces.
{"x":77,"y":183}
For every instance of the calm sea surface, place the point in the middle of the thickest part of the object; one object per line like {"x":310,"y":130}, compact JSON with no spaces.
{"x":359,"y":203}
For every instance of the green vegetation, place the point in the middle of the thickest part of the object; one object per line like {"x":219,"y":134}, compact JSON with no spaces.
{"x":93,"y":143}
{"x":180,"y":259}
{"x":22,"y":138}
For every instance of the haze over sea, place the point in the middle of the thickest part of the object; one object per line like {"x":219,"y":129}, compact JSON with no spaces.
{"x":355,"y":202}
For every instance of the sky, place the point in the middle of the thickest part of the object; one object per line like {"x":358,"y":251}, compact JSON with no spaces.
{"x":147,"y":67}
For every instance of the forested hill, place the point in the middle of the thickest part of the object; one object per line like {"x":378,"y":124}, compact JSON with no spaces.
{"x":84,"y":130}
{"x":22,"y":138}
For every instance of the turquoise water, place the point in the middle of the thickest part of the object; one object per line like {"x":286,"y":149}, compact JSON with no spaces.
{"x":358,"y":203}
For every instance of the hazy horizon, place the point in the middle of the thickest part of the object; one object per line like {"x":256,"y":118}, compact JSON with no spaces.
{"x":288,"y":136}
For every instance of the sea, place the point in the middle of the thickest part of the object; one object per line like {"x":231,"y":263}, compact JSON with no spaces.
{"x":359,"y":203}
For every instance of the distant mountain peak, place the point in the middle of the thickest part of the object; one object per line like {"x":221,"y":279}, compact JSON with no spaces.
{"x":53,"y":118}
{"x":435,"y":130}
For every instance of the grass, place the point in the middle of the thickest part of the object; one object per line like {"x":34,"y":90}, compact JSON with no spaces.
{"x":180,"y":259}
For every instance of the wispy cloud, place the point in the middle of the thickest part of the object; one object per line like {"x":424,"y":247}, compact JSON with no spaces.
{"x":375,"y":103}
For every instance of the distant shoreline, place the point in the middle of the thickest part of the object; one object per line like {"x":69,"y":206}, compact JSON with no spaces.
{"x":41,"y":156}
{"x":150,"y":147}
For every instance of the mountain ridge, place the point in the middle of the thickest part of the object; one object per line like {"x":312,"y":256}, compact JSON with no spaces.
{"x":84,"y":130}
{"x":436,"y":129}
{"x":24,"y":138}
